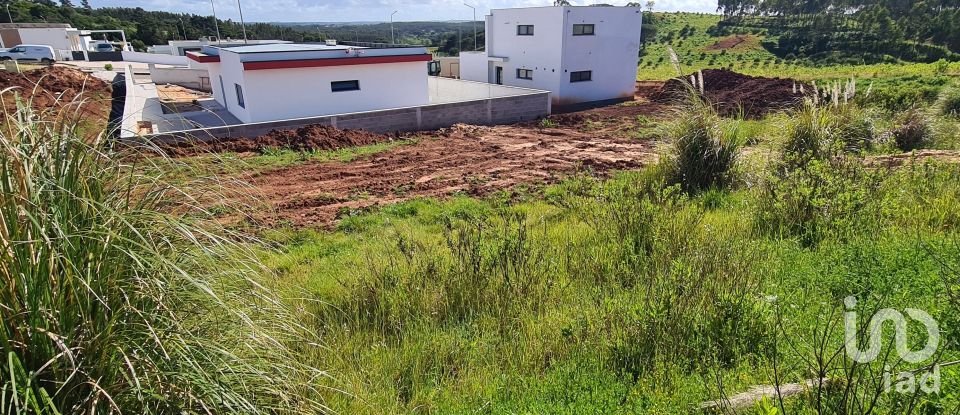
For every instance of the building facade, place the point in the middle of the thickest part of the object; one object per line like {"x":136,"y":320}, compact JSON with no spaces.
{"x":259,"y":83}
{"x":579,"y":54}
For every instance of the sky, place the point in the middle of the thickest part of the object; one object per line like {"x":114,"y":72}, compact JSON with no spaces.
{"x":370,"y":10}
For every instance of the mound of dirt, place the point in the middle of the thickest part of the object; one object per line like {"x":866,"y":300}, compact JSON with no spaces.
{"x":311,"y":137}
{"x":733,"y":42}
{"x":51,"y":90}
{"x":731,"y":92}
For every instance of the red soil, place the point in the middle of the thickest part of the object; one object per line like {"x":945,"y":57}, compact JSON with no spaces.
{"x":310,"y":137}
{"x":58,"y":90}
{"x":463,"y":159}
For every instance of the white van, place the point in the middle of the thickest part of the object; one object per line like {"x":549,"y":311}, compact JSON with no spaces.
{"x":42,"y":53}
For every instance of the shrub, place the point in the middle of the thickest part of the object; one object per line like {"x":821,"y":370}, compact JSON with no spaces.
{"x":821,"y":199}
{"x":108,"y":67}
{"x":703,"y":151}
{"x":115,"y":297}
{"x":950,"y":103}
{"x":913,"y":131}
{"x":824,"y":132}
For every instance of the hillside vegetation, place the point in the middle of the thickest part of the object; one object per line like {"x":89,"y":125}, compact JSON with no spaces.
{"x":699,"y":44}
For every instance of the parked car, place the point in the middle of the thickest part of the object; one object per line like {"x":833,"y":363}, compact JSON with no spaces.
{"x":41,"y":53}
{"x":103,"y":47}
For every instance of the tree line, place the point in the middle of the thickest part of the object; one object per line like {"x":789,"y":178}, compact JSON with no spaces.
{"x":145,"y":27}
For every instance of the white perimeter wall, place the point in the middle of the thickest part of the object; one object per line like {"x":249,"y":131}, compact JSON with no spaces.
{"x":157,"y":58}
{"x":55,"y":37}
{"x":473,"y":66}
{"x":277,"y":94}
{"x":611,"y":53}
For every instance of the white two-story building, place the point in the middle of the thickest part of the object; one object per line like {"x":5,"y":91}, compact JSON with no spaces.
{"x":270,"y":82}
{"x":579,"y":54}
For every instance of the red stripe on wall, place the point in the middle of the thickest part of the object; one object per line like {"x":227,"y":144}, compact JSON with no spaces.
{"x":317,"y":63}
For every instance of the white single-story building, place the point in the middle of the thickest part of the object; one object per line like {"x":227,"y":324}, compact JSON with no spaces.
{"x":579,"y":54}
{"x":271,"y":82}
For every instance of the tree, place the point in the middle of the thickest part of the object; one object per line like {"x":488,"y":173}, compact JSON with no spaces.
{"x":67,"y":4}
{"x":86,"y":4}
{"x":561,"y":3}
{"x":650,"y":5}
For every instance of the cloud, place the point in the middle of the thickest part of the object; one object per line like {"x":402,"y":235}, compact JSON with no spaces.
{"x":365,"y":10}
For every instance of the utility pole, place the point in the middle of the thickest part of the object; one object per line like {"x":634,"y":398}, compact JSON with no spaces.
{"x":184,"y":27}
{"x":392,"y":41}
{"x":216,"y":23}
{"x":243,"y":25}
{"x":474,"y":25}
{"x":9,"y":17}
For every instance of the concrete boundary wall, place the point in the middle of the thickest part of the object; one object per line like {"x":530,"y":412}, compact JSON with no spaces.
{"x":488,"y":111}
{"x":155,"y":58}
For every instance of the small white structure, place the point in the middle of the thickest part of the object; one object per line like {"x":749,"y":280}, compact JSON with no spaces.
{"x":579,"y":54}
{"x":282,"y":81}
{"x":181,"y":47}
{"x":60,"y":36}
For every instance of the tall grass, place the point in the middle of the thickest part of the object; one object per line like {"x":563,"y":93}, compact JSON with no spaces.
{"x":704,"y":149}
{"x":119,"y":296}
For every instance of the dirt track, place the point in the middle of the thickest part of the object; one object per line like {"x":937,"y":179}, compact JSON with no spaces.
{"x":463,"y":159}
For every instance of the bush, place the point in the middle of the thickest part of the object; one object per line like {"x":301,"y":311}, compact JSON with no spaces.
{"x":822,"y":199}
{"x":913,"y":131}
{"x":116,"y":300}
{"x":703,"y":150}
{"x":824,"y":132}
{"x":108,"y":67}
{"x":950,"y":103}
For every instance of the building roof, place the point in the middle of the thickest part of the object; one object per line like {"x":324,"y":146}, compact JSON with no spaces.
{"x":311,"y":55}
{"x":286,"y":47}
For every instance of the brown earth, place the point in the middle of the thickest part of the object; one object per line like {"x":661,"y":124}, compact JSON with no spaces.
{"x":311,"y":137}
{"x":734,"y":42}
{"x":462,"y":159}
{"x":59,"y":92}
{"x":467,"y":159}
{"x":919,"y":156}
{"x":732,"y":93}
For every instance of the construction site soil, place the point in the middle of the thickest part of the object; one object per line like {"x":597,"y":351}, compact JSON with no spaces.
{"x":58,"y":92}
{"x":733,"y":93}
{"x":311,"y":137}
{"x":463,"y":159}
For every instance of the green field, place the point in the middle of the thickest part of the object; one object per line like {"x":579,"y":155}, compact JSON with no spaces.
{"x":687,"y":34}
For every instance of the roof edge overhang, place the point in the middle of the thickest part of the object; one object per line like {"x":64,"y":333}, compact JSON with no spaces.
{"x":319,"y":63}
{"x":202,"y":57}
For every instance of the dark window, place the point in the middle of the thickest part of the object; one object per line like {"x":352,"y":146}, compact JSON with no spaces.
{"x":583,"y":30}
{"x":239,"y":95}
{"x":525,"y":30}
{"x":581,"y":76}
{"x":341,"y":86}
{"x":525,"y":73}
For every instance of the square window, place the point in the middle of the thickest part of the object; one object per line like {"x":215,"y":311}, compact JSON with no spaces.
{"x":524,"y":73}
{"x":239,"y":95}
{"x":525,"y":30}
{"x":581,"y":76}
{"x":583,"y":30}
{"x":341,"y":86}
